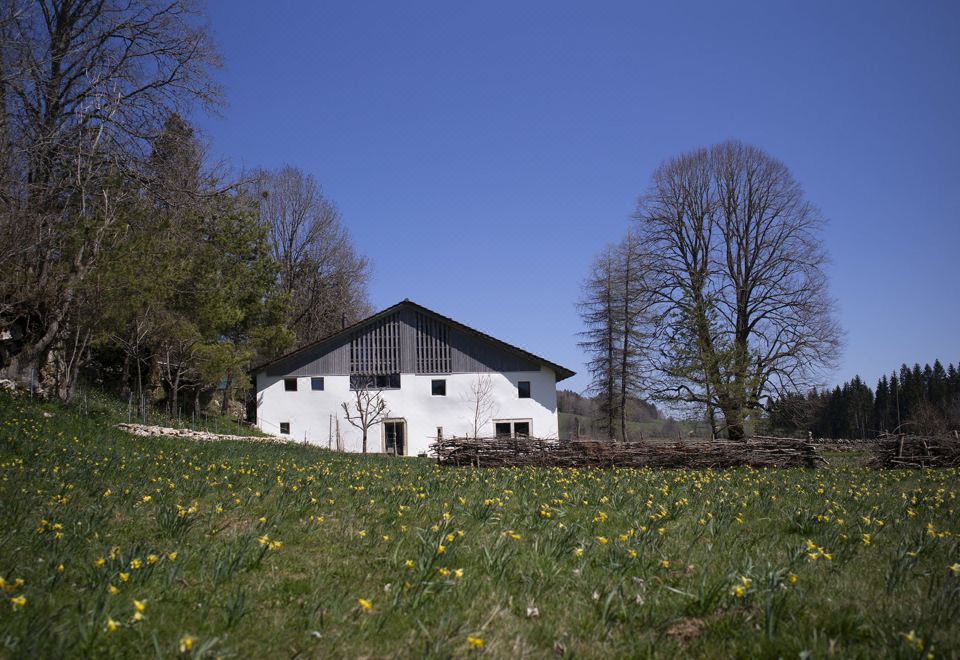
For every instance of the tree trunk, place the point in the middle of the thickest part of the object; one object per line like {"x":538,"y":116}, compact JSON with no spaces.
{"x":364,"y":441}
{"x":733,"y":416}
{"x":225,"y":401}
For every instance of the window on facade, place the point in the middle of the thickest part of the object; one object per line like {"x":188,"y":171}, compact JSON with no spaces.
{"x":316,"y":384}
{"x":290,"y":384}
{"x":375,"y":382}
{"x":523,"y":389}
{"x":285,"y":428}
{"x":510,"y":428}
{"x":438,"y":387}
{"x":439,"y":433}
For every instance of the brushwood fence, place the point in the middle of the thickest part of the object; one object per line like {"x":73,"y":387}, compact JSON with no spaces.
{"x":695,"y":454}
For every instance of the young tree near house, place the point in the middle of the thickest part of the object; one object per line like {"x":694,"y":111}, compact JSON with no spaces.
{"x":741,"y":311}
{"x":367,"y":409}
{"x":483,"y":405}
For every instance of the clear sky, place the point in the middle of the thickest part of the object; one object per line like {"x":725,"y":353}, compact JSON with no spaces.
{"x":482,"y":153}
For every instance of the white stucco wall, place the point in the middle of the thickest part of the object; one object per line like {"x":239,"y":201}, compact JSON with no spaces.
{"x":309,"y":412}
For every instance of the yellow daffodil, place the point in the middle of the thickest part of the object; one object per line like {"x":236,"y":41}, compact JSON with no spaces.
{"x":365,"y":604}
{"x":474,"y":643}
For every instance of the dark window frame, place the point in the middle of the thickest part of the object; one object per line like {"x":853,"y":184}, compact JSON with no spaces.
{"x":375,"y":382}
{"x":314,"y":381}
{"x":438,"y":383}
{"x":507,"y":428}
{"x":287,"y":382}
{"x":282,"y":425}
{"x":520,"y":389}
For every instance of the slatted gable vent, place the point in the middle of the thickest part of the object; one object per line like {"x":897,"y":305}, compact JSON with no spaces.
{"x":433,"y":349}
{"x":376,"y":349}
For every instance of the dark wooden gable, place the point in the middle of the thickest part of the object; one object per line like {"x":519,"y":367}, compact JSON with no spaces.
{"x":407,"y":339}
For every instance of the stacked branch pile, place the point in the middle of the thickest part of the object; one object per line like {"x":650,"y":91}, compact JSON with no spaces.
{"x":917,"y":451}
{"x":698,"y":454}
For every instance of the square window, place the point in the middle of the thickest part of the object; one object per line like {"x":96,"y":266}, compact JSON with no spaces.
{"x":523,"y":389}
{"x":502,"y":429}
{"x":438,"y":387}
{"x":290,"y":384}
{"x":316,"y":384}
{"x":521,"y":428}
{"x":285,"y":428}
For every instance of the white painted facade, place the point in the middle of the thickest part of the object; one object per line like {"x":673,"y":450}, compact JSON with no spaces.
{"x":312,"y":415}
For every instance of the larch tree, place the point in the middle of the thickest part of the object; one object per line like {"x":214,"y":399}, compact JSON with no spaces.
{"x":600,"y":314}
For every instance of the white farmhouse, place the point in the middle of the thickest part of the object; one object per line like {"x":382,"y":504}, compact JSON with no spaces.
{"x":426,"y":367}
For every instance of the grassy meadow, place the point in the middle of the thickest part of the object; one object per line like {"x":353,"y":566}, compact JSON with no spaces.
{"x":118,"y":546}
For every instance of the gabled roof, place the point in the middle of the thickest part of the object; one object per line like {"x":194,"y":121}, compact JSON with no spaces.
{"x":561,"y":372}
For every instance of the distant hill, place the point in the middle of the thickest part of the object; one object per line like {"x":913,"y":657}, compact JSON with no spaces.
{"x":579,"y":415}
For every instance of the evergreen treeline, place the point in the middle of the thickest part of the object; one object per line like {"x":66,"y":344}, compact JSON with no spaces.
{"x":913,"y":399}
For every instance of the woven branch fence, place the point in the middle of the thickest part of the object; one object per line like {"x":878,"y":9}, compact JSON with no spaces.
{"x":695,"y":454}
{"x":916,"y":451}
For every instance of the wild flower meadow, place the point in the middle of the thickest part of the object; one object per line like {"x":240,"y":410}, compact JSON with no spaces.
{"x":118,"y":546}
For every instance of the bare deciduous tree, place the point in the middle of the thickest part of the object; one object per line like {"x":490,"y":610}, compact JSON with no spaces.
{"x":741,"y":310}
{"x":483,"y":404}
{"x":320,"y":270}
{"x":367,"y":409}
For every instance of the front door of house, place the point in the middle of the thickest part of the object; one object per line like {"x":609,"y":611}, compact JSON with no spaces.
{"x":394,"y":437}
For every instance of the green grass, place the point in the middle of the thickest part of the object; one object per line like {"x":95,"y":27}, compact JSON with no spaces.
{"x":275,"y":546}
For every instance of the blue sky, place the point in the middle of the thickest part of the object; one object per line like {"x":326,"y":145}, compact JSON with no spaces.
{"x":481,"y":154}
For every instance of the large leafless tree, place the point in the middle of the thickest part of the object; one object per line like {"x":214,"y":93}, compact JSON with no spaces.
{"x":324,"y":276}
{"x":741,"y":309}
{"x":85,"y":88}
